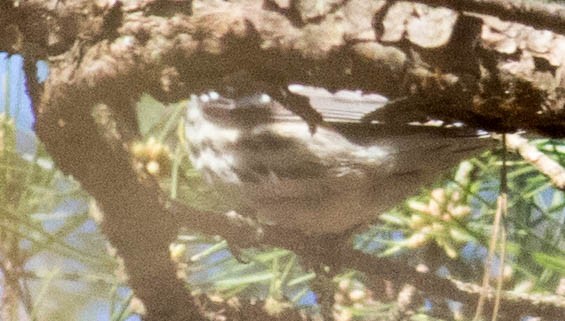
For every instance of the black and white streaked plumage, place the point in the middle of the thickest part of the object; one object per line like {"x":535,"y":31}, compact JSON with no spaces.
{"x":268,"y":161}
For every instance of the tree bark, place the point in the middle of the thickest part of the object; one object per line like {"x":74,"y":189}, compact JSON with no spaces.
{"x":499,"y":75}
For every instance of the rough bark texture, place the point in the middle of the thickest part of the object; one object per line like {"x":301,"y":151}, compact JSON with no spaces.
{"x":103,"y":55}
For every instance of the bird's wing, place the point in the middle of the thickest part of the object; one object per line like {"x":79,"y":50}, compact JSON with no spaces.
{"x":345,"y":111}
{"x":342,"y":106}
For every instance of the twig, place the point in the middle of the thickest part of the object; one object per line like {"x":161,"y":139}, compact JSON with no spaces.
{"x":539,"y":160}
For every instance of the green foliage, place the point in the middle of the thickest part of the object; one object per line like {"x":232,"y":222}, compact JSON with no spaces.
{"x":535,"y":223}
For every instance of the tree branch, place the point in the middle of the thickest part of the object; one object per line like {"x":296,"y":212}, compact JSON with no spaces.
{"x":533,"y":13}
{"x":316,"y":250}
{"x":552,"y":169}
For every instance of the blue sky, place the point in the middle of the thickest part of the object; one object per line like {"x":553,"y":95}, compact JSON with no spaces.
{"x":13,"y":97}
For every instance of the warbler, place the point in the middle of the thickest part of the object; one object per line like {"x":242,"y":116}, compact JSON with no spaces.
{"x":267,"y":161}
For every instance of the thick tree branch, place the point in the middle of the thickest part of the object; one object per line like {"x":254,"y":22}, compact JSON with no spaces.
{"x":536,"y":14}
{"x":134,"y":221}
{"x":500,"y":76}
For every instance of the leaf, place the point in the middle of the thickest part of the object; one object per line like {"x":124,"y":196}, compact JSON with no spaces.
{"x":554,"y":263}
{"x":245,"y":280}
{"x":149,"y":111}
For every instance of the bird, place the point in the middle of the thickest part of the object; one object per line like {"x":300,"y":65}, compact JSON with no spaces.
{"x":268,"y":163}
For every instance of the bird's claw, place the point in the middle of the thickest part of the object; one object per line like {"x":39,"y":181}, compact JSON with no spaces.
{"x":248,"y":234}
